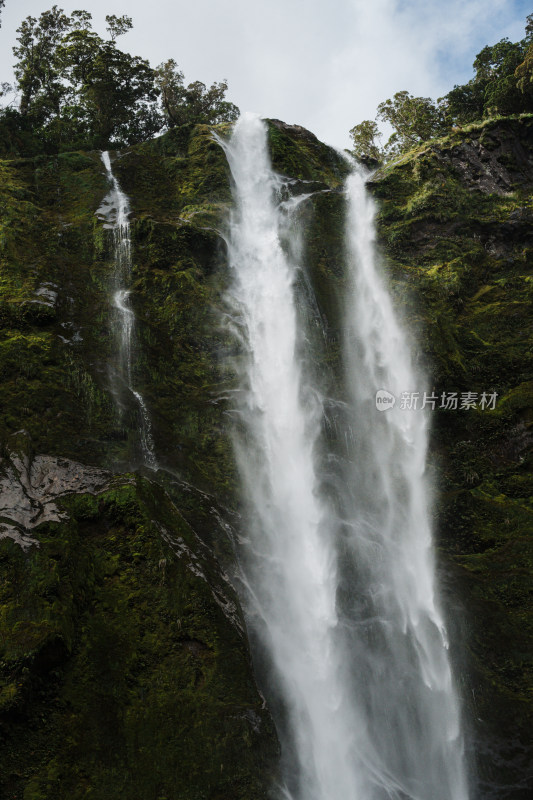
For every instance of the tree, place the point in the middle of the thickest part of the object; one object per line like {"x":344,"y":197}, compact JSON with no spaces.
{"x":502,"y":84}
{"x":414,"y":119}
{"x":195,"y":103}
{"x":117,"y":26}
{"x":495,"y":70}
{"x":497,"y":86}
{"x":169,"y":80}
{"x":37,"y":76}
{"x":113,"y":93}
{"x":463,"y":104}
{"x":79,"y":89}
{"x":365,"y":137}
{"x":524,"y":71}
{"x":524,"y":76}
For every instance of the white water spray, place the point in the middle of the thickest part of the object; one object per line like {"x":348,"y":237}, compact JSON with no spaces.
{"x":115,"y":209}
{"x":342,"y":602}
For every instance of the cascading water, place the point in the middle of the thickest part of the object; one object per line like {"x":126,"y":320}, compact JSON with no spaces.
{"x":289,"y":561}
{"x":397,"y":650}
{"x":115,"y":209}
{"x":341,"y":602}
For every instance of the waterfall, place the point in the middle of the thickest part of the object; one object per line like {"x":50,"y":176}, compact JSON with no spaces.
{"x":115,"y":210}
{"x":396,"y":639}
{"x":340,"y":596}
{"x":289,"y":561}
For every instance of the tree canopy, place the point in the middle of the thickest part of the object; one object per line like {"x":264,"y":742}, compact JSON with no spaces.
{"x":181,"y":104}
{"x":414,"y":119}
{"x":502,"y":85}
{"x":76,"y":89}
{"x":365,"y":137}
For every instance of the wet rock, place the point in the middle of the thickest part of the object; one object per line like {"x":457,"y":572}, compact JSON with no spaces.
{"x":479,"y":168}
{"x":41,"y":309}
{"x":455,"y":221}
{"x":30,"y":486}
{"x":47,"y":294}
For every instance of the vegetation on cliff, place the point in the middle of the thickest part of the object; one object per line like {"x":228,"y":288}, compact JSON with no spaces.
{"x":455,"y":222}
{"x":122,"y":670}
{"x":124,"y":662}
{"x":502,"y":85}
{"x":79,"y":91}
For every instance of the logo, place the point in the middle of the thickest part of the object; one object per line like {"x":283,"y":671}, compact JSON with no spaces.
{"x":384,"y":400}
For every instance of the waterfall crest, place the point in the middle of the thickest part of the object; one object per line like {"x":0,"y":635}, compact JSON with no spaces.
{"x":115,"y":210}
{"x":340,"y":597}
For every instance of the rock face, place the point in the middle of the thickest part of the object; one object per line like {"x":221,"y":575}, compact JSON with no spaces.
{"x":30,"y":487}
{"x":124,"y":665}
{"x":456,"y":225}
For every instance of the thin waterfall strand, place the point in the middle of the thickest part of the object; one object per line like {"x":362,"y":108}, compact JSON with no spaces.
{"x":115,"y":210}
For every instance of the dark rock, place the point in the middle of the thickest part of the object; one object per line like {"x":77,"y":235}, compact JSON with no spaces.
{"x":31,"y":485}
{"x":455,"y":222}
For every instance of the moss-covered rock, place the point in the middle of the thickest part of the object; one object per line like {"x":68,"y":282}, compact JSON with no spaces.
{"x":455,"y":220}
{"x":124,"y":668}
{"x":123,"y":659}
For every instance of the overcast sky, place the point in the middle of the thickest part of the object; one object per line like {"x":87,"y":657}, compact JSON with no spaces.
{"x":324,"y":64}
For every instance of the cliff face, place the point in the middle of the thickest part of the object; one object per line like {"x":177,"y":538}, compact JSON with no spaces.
{"x":456,"y":224}
{"x":125,"y":668}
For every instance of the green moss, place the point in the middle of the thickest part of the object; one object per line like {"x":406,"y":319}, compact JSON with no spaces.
{"x":461,"y":247}
{"x":119,"y":673}
{"x":15,"y":208}
{"x":297,"y":153}
{"x":163,"y":186}
{"x":519,"y":399}
{"x":125,"y":675}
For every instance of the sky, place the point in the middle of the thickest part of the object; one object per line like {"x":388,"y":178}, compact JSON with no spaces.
{"x":323,"y":64}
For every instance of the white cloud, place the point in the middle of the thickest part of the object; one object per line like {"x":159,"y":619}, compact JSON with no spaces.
{"x":325,"y":64}
{"x":421,"y":46}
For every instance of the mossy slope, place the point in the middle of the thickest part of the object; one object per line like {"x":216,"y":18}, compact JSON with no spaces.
{"x":125,"y":668}
{"x":456,"y":223}
{"x":121,"y":672}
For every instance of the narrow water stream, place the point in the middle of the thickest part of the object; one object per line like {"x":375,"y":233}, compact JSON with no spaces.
{"x":115,"y":210}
